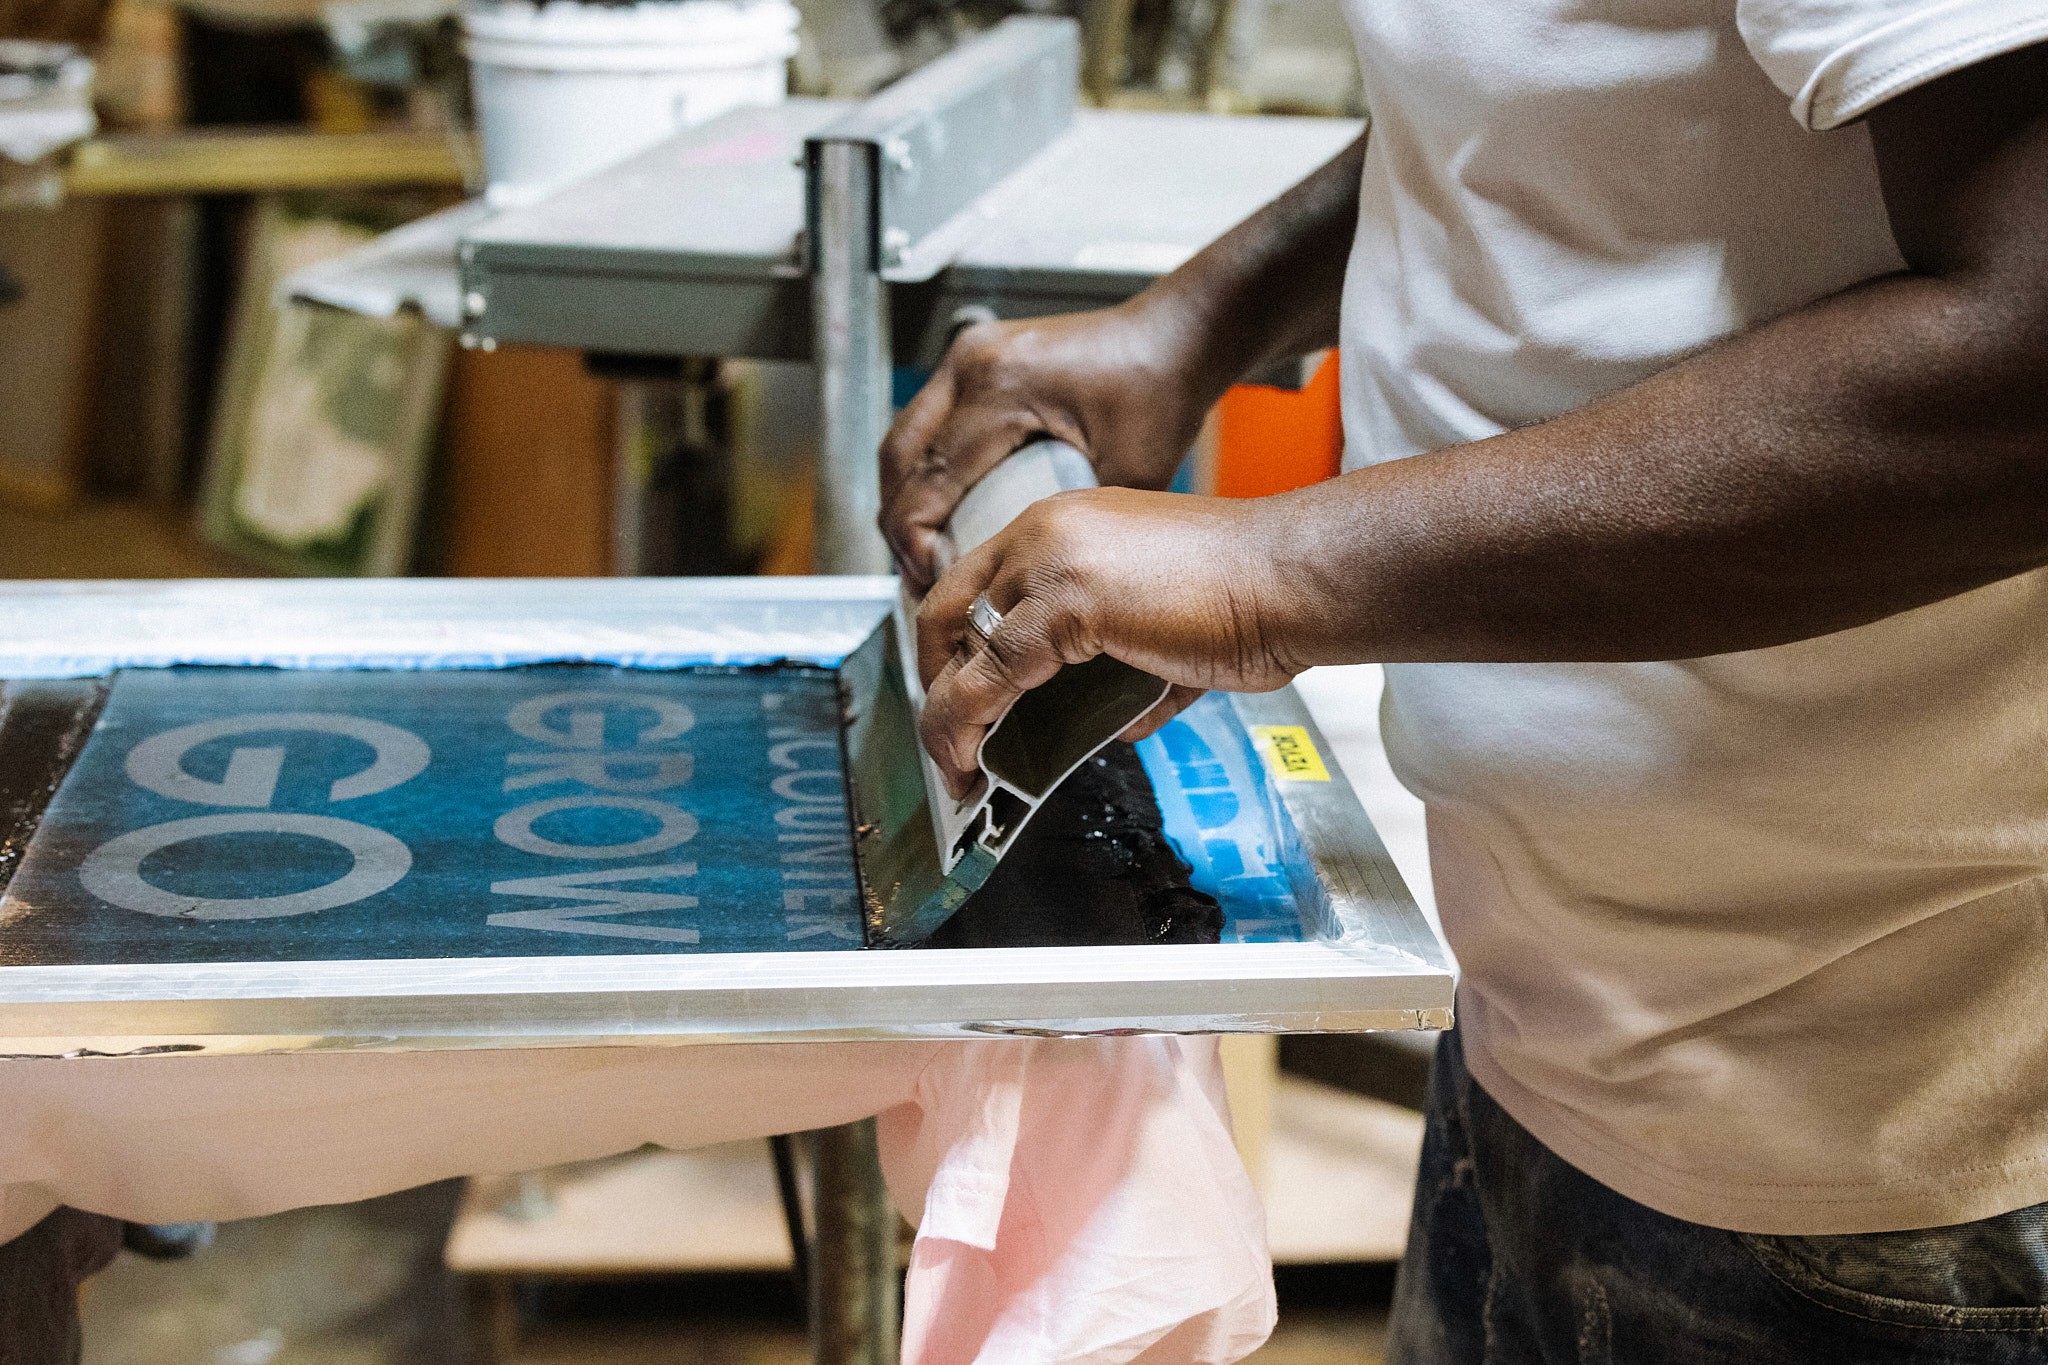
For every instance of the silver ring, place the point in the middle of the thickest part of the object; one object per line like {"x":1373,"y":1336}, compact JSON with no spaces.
{"x":983,"y":618}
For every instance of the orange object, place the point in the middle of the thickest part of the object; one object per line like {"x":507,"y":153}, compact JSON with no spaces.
{"x":527,"y":478}
{"x":1270,"y":440}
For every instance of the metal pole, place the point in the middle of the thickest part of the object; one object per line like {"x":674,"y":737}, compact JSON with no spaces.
{"x":850,"y":318}
{"x":783,"y":1148}
{"x":855,"y":1317}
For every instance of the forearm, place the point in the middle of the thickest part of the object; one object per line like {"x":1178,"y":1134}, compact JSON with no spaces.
{"x":1874,"y":452}
{"x":1880,"y":450}
{"x":1877,"y":450}
{"x":1270,"y":287}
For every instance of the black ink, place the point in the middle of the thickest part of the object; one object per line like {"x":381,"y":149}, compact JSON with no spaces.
{"x":1092,"y":868}
{"x":43,"y":725}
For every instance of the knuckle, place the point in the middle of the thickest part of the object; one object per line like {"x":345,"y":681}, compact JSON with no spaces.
{"x":1034,"y":525}
{"x":974,"y":350}
{"x":1063,"y":540}
{"x":1073,"y":514}
{"x":894,"y":447}
{"x":974,"y":335}
{"x":1055,"y":630}
{"x":1071,"y":637}
{"x":981,"y":350}
{"x":1006,"y":656}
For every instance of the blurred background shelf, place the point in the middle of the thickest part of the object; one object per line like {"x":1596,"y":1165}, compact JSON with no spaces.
{"x":269,"y":161}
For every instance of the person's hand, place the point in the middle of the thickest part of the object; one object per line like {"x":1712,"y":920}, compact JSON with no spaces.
{"x":1188,"y":589}
{"x":1119,"y":384}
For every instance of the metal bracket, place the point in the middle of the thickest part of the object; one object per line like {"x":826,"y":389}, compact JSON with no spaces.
{"x":941,"y":138}
{"x":881,"y":185}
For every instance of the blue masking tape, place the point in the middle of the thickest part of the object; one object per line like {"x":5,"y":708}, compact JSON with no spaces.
{"x":1220,"y":817}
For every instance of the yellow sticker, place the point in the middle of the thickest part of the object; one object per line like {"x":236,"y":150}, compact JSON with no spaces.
{"x":1290,"y":753}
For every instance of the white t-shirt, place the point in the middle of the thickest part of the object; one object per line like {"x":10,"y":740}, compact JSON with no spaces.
{"x":1759,"y":940}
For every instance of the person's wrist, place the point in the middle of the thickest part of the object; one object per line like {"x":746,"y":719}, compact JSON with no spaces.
{"x":1189,"y":337}
{"x":1342,"y":573}
{"x":1284,"y":610}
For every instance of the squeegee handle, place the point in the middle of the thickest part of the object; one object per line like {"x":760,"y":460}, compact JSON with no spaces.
{"x":1039,"y":470}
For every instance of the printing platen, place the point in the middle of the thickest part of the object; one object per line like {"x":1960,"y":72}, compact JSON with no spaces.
{"x":253,"y":815}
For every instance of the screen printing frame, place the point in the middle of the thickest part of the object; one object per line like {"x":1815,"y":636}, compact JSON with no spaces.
{"x":1374,"y":962}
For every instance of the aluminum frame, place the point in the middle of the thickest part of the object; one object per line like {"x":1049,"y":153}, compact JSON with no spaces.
{"x":1375,"y":964}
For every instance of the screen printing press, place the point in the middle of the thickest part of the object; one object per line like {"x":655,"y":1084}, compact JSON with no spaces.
{"x":261,"y":817}
{"x":389,"y":851}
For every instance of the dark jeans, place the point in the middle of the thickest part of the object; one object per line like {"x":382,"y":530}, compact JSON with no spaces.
{"x":1516,"y":1258}
{"x":39,"y":1276}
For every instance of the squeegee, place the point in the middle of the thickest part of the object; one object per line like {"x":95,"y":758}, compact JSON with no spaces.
{"x":918,"y":872}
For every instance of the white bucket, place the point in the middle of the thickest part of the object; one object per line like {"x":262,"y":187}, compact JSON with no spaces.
{"x":564,"y":89}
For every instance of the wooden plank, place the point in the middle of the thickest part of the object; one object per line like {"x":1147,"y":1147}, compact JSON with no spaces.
{"x":1251,"y":1070}
{"x":1340,"y":1175}
{"x":261,"y":160}
{"x":651,"y":1212}
{"x":47,"y":340}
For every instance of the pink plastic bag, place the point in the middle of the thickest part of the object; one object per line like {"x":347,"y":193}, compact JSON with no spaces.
{"x":1083,"y":1201}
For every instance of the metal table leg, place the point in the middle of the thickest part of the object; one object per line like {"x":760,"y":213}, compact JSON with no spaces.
{"x":855,"y":1315}
{"x":854,"y":1290}
{"x":850,"y":315}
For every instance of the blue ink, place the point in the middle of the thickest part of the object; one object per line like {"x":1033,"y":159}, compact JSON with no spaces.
{"x":1220,"y":818}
